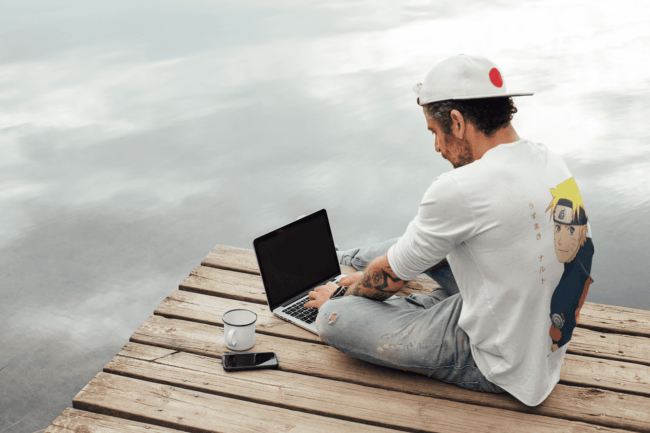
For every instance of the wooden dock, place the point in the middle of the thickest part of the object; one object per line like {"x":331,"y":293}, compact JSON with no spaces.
{"x":169,"y":376}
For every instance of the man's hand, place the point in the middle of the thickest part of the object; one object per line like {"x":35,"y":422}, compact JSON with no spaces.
{"x":320,"y":295}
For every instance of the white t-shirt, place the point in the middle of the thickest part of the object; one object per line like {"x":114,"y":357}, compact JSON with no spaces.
{"x":502,"y":222}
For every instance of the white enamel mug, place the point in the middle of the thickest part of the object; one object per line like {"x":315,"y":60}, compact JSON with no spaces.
{"x":239,"y":329}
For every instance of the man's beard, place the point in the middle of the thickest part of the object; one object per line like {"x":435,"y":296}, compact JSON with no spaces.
{"x":463,"y":150}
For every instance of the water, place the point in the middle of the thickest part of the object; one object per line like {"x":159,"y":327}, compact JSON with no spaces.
{"x":136,"y":136}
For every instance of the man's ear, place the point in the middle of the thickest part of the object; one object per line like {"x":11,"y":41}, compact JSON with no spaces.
{"x":457,"y":124}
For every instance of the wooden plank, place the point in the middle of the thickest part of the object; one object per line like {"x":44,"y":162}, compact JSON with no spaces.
{"x":598,"y":317}
{"x":333,"y":398}
{"x":79,"y":421}
{"x":247,"y":287}
{"x":601,"y":317}
{"x":225,"y":284}
{"x":232,"y":258}
{"x":194,"y":411}
{"x":327,"y":362}
{"x":209,"y":309}
{"x":624,"y":377}
{"x":618,"y":347}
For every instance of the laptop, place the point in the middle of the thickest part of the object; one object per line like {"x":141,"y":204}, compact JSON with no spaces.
{"x":293,"y":260}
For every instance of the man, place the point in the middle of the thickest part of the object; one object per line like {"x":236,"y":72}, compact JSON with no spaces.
{"x":488,"y":330}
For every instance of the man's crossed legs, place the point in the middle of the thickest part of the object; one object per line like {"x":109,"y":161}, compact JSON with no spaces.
{"x":418,"y":333}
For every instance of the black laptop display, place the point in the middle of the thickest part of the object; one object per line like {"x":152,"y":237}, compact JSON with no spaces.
{"x":296,"y":257}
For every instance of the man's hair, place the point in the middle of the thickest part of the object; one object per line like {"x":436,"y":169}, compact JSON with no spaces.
{"x":487,"y":114}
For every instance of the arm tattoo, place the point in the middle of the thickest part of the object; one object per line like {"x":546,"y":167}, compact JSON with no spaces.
{"x":378,"y":282}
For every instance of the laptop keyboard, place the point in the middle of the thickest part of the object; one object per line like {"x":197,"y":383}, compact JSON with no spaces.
{"x":297,"y":310}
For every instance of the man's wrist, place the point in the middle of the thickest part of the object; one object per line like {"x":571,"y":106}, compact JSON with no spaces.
{"x":338,"y":293}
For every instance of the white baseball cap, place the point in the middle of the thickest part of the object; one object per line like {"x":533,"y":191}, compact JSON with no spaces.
{"x":463,"y":77}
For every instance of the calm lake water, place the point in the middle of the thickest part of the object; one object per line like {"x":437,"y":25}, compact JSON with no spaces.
{"x":137,"y":135}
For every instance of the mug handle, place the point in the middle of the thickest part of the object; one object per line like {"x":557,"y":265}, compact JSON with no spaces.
{"x":230,"y":338}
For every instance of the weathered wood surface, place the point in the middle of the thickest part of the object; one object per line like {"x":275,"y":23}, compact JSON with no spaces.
{"x":232,"y":258}
{"x":618,"y":347}
{"x":623,"y":377}
{"x":608,"y":318}
{"x":79,"y":421}
{"x":569,"y":402}
{"x":368,"y":405}
{"x":194,"y":411}
{"x":209,"y":309}
{"x":598,"y":317}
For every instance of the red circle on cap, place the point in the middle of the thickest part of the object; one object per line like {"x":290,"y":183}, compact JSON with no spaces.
{"x":495,"y":77}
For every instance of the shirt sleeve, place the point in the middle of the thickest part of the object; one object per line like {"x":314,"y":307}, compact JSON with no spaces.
{"x":444,"y":220}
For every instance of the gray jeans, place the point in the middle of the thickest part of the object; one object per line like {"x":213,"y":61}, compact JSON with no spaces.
{"x":418,"y":333}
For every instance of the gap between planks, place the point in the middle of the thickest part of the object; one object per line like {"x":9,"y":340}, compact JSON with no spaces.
{"x":324,"y":361}
{"x":199,"y":412}
{"x":622,"y":377}
{"x":385,"y":408}
{"x":209,"y":309}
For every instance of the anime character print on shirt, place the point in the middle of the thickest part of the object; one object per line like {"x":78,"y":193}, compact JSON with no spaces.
{"x":575,"y":250}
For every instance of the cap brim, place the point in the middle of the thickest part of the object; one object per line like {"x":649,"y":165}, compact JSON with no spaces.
{"x":502,"y":95}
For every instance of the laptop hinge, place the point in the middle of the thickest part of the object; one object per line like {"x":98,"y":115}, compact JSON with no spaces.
{"x":302,"y":294}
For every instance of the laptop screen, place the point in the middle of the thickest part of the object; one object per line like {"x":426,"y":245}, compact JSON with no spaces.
{"x":296,"y":257}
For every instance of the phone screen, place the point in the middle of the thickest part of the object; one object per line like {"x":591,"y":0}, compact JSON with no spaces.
{"x":248,"y":359}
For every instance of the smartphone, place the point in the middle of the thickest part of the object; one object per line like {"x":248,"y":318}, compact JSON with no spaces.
{"x":249,"y":361}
